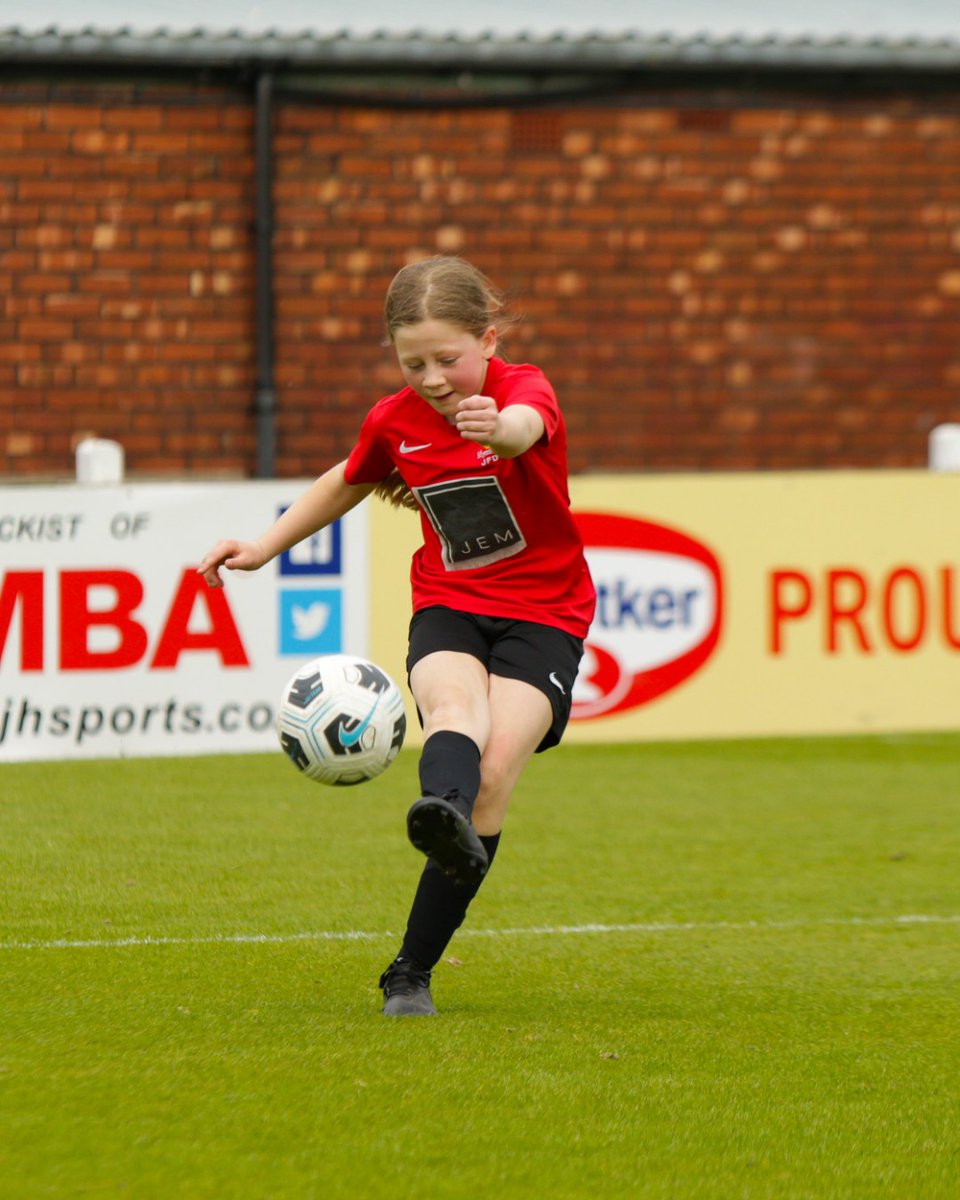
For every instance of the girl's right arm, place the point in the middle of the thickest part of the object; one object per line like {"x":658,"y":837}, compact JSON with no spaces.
{"x":320,"y":505}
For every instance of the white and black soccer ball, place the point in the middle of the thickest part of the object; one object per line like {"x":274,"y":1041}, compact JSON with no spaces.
{"x":341,"y":719}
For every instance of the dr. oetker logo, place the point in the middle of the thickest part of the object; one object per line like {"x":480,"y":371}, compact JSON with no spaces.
{"x":659,"y":610}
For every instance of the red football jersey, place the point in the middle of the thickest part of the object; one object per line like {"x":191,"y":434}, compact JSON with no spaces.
{"x":498,"y":536}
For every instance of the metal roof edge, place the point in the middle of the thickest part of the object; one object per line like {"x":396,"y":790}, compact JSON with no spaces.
{"x":419,"y":50}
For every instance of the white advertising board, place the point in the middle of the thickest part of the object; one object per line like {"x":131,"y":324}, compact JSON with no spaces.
{"x":111,"y":644}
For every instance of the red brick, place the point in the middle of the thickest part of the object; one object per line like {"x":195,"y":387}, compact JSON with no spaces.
{"x":590,"y":259}
{"x":62,"y":116}
{"x":43,"y":329}
{"x":101,"y":142}
{"x":43,"y":282}
{"x":161,"y":142}
{"x":46,"y":189}
{"x":16,"y":166}
{"x":21,"y":116}
{"x":191,"y":119}
{"x":134,"y":117}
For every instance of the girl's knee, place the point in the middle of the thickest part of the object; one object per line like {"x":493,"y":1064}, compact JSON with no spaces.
{"x":495,"y":776}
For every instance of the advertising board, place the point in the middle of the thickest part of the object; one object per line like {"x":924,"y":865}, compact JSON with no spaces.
{"x":728,"y":605}
{"x":110,"y":643}
{"x":751,"y":604}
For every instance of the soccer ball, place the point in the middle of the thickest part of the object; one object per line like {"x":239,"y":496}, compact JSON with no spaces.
{"x":341,"y":719}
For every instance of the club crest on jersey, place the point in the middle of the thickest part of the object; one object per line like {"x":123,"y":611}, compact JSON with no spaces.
{"x":486,"y":457}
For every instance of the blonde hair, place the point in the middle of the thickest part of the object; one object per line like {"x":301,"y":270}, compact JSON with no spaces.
{"x":443,"y":288}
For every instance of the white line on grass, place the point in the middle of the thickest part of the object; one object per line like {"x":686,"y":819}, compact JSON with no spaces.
{"x":362,"y":935}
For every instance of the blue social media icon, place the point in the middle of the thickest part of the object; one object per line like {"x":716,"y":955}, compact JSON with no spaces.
{"x":319,"y":554}
{"x":310,"y":621}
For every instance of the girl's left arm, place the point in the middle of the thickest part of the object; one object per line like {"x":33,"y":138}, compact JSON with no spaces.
{"x":326,"y":499}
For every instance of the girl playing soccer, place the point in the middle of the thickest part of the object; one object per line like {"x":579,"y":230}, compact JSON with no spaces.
{"x":502,"y":597}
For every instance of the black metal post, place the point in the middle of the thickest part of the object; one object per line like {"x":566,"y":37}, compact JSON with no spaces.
{"x":265,"y":399}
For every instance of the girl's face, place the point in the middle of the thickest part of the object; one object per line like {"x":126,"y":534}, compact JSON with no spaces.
{"x":442,"y":362}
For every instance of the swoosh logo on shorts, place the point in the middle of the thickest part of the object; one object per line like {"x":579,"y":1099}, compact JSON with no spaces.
{"x":350,"y":737}
{"x":556,"y":682}
{"x":405,"y":449}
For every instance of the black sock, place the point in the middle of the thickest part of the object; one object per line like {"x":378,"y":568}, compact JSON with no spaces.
{"x":438,"y":909}
{"x":450,"y":767}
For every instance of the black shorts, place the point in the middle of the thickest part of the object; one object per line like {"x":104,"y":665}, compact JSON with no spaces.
{"x":545,"y":657}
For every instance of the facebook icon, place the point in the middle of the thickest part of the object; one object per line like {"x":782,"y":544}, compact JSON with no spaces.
{"x":319,"y":554}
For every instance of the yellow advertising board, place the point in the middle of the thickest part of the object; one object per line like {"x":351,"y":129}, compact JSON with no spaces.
{"x":747,"y":604}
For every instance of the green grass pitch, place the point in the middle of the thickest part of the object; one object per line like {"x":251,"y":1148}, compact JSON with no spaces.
{"x":726,"y":970}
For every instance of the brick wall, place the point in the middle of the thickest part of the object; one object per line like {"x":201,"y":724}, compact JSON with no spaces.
{"x":710,"y":285}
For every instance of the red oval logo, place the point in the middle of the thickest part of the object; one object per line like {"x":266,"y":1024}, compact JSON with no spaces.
{"x":659,"y":611}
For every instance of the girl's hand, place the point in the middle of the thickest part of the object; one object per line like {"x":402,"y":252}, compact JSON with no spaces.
{"x":507,"y":432}
{"x":235,"y":556}
{"x":477,"y":418}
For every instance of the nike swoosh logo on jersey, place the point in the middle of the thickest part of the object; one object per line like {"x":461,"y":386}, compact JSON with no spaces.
{"x":405,"y":449}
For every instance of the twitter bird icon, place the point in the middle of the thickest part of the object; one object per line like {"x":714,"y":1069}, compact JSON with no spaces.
{"x":310,"y":621}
